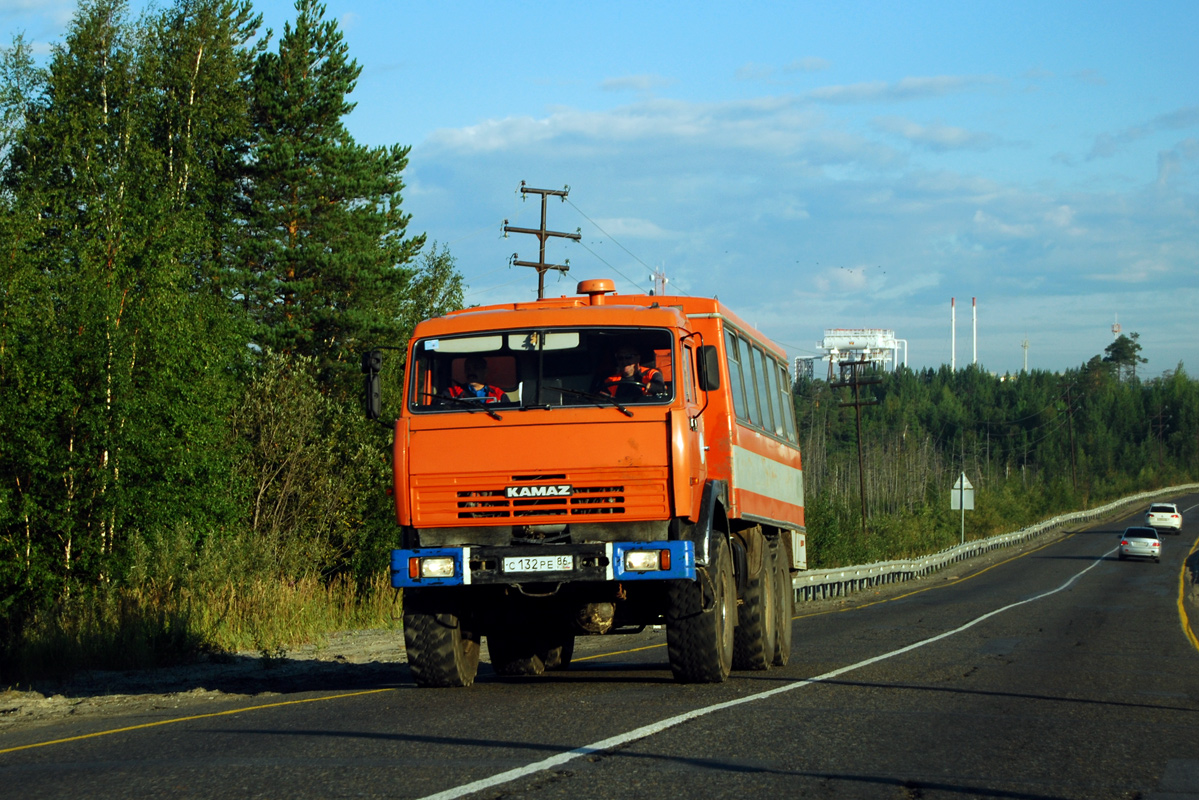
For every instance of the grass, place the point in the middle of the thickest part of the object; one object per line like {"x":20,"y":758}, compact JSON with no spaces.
{"x":137,"y":628}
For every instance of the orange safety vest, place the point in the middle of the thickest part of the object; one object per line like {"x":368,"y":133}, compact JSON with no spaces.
{"x":645,"y":375}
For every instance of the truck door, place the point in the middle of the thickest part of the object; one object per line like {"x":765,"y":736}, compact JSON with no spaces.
{"x":690,"y":463}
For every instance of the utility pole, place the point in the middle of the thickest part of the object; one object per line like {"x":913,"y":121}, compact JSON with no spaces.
{"x":1073,"y":459}
{"x":1162,"y":418}
{"x":542,"y":234}
{"x":856,"y":382}
{"x":660,"y":280}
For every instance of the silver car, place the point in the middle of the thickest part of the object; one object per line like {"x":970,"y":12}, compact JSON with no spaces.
{"x":1140,"y":543}
{"x":1164,"y":516}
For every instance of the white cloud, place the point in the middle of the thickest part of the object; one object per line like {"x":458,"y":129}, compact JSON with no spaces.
{"x":905,"y":89}
{"x":1140,"y":271}
{"x":636,"y":83}
{"x":754,"y":72}
{"x":1169,"y":162}
{"x":771,"y":127}
{"x":1108,"y":144}
{"x":988,"y":224}
{"x":809,"y":64}
{"x":936,"y":137}
{"x":628,"y":228}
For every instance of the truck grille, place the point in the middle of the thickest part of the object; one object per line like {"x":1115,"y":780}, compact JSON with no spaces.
{"x":442,"y":500}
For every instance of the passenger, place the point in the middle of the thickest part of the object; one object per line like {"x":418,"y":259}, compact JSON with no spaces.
{"x":631,"y":381}
{"x":476,"y":386}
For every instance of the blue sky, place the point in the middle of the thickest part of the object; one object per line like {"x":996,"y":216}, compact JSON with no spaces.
{"x":815,"y":165}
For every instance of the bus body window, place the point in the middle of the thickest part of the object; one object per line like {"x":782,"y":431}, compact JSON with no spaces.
{"x":780,"y":410}
{"x":788,"y":404}
{"x":763,"y":387}
{"x":736,"y":388}
{"x":751,"y":388}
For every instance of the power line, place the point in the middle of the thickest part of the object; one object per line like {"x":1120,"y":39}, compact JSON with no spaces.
{"x":609,"y":266}
{"x":614,"y":241}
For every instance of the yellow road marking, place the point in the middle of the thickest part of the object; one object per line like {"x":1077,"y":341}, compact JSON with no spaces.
{"x":1187,"y":630}
{"x":145,"y":725}
{"x":618,"y":652}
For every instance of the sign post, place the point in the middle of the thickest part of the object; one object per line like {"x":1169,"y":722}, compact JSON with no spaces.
{"x":962,"y":499}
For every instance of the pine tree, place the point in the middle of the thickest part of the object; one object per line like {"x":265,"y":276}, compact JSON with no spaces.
{"x":1124,"y":354}
{"x":325,"y":256}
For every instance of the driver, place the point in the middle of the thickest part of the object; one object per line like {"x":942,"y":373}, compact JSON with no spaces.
{"x":631,"y":380}
{"x":476,"y":385}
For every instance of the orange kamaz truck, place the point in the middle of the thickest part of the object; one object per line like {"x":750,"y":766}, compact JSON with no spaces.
{"x":590,"y":465}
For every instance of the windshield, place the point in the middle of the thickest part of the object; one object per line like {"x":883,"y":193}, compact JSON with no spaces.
{"x":545,"y":368}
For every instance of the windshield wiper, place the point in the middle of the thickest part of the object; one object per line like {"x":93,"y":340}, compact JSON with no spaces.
{"x":470,"y":405}
{"x":594,"y":397}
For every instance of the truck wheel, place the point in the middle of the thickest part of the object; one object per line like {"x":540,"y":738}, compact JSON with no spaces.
{"x":785,"y":605}
{"x":557,"y":655}
{"x":514,"y":654}
{"x":757,"y":614}
{"x":700,"y":620}
{"x":440,"y":652}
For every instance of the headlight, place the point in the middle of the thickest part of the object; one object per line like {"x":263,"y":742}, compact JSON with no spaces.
{"x":431,"y":567}
{"x":646,"y":560}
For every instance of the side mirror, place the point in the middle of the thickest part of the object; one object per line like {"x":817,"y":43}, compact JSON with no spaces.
{"x":709,"y":368}
{"x":372,"y":365}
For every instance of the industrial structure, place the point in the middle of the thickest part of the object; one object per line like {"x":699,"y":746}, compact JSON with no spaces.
{"x":855,"y":344}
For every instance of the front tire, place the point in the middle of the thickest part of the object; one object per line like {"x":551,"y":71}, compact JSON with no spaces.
{"x":441,"y":652}
{"x":701,"y":618}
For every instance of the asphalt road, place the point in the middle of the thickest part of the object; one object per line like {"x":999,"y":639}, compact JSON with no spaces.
{"x":1058,"y":673}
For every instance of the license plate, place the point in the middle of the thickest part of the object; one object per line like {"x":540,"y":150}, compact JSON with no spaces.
{"x":539,"y":564}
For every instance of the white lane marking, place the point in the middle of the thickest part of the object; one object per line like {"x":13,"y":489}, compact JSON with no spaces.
{"x":657,"y":727}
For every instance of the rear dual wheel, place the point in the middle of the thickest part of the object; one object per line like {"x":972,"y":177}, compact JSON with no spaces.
{"x":515,"y":653}
{"x":785,"y":601}
{"x":756,"y":637}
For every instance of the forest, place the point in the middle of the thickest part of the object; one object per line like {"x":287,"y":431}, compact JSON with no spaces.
{"x":196,"y":253}
{"x":1032,"y":444}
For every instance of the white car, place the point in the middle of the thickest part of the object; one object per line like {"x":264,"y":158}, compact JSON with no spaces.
{"x":1140,"y":543}
{"x":1164,"y":517}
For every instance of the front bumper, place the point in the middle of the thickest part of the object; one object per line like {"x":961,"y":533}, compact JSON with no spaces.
{"x":519,"y":564}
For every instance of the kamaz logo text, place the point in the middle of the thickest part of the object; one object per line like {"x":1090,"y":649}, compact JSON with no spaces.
{"x":561,"y":490}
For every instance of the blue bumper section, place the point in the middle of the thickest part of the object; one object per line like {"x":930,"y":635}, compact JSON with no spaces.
{"x":466,"y":566}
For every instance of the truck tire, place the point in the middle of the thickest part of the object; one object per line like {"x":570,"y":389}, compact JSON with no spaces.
{"x":440,"y":652}
{"x":757,"y":616}
{"x":556,"y":655}
{"x":515,"y":654}
{"x":700,"y":620}
{"x":785,"y":605}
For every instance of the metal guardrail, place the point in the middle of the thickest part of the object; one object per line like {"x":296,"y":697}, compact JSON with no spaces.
{"x":822,"y":584}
